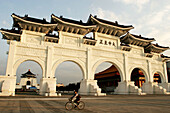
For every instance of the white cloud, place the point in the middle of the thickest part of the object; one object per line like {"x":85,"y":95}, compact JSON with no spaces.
{"x":153,"y":32}
{"x":156,"y":25}
{"x":106,"y":14}
{"x":158,"y":17}
{"x":138,"y":3}
{"x":111,"y":16}
{"x":164,"y":38}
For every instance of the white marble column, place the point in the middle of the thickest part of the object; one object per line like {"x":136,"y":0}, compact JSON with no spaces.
{"x":10,"y":62}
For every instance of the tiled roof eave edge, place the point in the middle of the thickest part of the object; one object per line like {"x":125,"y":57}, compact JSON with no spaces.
{"x":123,"y":38}
{"x":7,"y":32}
{"x":164,"y":48}
{"x":119,"y":28}
{"x":90,"y":26}
{"x":150,"y":40}
{"x":14,"y":16}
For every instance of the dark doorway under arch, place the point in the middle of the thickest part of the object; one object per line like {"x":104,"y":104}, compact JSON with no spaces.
{"x":28,"y":83}
{"x":138,"y":77}
{"x":108,"y":77}
{"x":157,"y":78}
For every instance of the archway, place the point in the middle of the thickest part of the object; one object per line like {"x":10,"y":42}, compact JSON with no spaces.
{"x":138,"y":77}
{"x":68,"y":74}
{"x":157,"y":77}
{"x":107,"y":76}
{"x":29,"y":74}
{"x":28,"y":83}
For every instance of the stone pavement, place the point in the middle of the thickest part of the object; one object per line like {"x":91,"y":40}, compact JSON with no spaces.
{"x":108,"y":104}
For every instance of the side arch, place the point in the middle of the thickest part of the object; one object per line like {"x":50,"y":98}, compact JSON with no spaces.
{"x":37,"y":60}
{"x":160,"y":74}
{"x":113,"y":62}
{"x":75,"y":60}
{"x":144,"y":70}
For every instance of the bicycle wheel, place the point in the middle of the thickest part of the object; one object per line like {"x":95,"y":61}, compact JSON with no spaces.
{"x":69,"y":106}
{"x":81,"y":105}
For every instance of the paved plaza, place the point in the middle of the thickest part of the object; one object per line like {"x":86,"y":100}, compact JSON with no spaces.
{"x":108,"y":104}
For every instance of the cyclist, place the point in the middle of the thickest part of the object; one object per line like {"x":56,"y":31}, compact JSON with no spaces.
{"x":74,"y":102}
{"x":76,"y":97}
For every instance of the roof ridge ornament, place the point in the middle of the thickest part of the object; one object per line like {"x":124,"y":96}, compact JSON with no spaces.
{"x":26,"y":15}
{"x":44,"y":19}
{"x":116,"y":22}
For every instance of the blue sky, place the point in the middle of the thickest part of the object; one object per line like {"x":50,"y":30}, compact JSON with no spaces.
{"x":150,"y":18}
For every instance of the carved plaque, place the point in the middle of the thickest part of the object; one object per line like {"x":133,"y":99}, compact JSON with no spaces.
{"x":33,"y":39}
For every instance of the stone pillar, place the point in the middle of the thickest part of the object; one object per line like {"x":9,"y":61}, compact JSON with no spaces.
{"x":10,"y":62}
{"x":8,"y":85}
{"x":89,"y":86}
{"x":165,"y":72}
{"x":48,"y":87}
{"x":127,"y":78}
{"x":118,"y":44}
{"x":22,"y":39}
{"x":149,"y":72}
{"x":88,"y":65}
{"x":95,"y":35}
{"x":49,"y":62}
{"x":123,"y":88}
{"x":148,"y":87}
{"x":127,"y":87}
{"x":48,"y":83}
{"x":61,"y":39}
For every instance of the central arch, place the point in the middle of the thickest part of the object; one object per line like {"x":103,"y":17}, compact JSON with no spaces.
{"x":107,"y":77}
{"x":76,"y":61}
{"x":113,"y":62}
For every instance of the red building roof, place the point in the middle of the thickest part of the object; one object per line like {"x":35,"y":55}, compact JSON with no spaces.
{"x":111,"y":71}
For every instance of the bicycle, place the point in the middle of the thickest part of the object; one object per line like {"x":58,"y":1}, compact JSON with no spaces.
{"x":71,"y":104}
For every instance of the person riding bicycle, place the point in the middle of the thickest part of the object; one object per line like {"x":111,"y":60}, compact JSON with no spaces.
{"x":76,"y":97}
{"x":75,"y":102}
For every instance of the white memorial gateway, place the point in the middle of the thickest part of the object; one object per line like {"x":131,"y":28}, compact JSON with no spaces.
{"x":32,"y":39}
